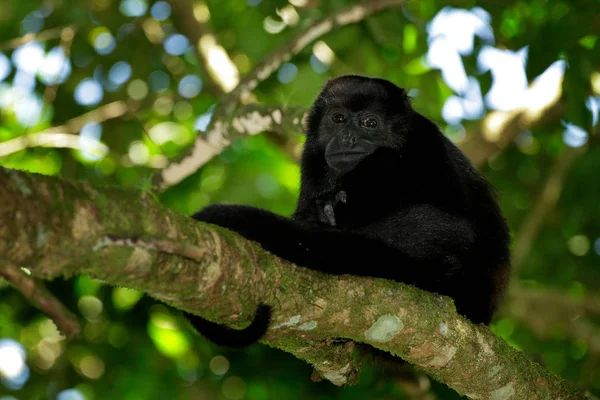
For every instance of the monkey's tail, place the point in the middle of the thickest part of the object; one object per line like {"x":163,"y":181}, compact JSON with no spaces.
{"x":229,"y":337}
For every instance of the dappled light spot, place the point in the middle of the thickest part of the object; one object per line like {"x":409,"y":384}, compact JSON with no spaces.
{"x":219,"y":365}
{"x":27,"y":106}
{"x":573,"y":135}
{"x":322,"y":57}
{"x":25,"y":80}
{"x":133,"y":8}
{"x":273,"y":26}
{"x":595,"y":80}
{"x":190,"y":86}
{"x":89,"y":92}
{"x":545,"y":89}
{"x":160,"y":11}
{"x":201,"y":12}
{"x":223,"y":69}
{"x":508,"y":73}
{"x":50,"y":346}
{"x":32,"y":23}
{"x":317,"y":65}
{"x":163,"y":105}
{"x":28,"y":57}
{"x":472,"y":102}
{"x":443,"y":56}
{"x":13,"y":370}
{"x":289,"y":15}
{"x":138,"y":153}
{"x":159,"y":81}
{"x":125,"y":298}
{"x":266,"y":185}
{"x":5,"y":67}
{"x":176,"y":44}
{"x":165,"y":131}
{"x":70,"y":394}
{"x":166,"y":334}
{"x":89,"y":138}
{"x":579,"y":245}
{"x":592,"y":103}
{"x":213,"y":178}
{"x":452,"y":111}
{"x":203,"y":120}
{"x":125,"y":30}
{"x":253,"y":3}
{"x":527,"y":143}
{"x":137,"y":89}
{"x":597,"y":246}
{"x":234,"y":388}
{"x":119,"y":73}
{"x":461,"y":26}
{"x":91,"y":366}
{"x":183,"y":111}
{"x":91,"y":307}
{"x":287,"y":73}
{"x":153,"y":30}
{"x":55,"y":67}
{"x":104,"y":43}
{"x":451,"y":34}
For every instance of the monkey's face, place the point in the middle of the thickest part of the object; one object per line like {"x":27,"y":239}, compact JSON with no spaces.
{"x":354,"y":116}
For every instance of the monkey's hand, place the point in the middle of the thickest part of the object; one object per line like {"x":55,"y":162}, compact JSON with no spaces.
{"x":326,"y":207}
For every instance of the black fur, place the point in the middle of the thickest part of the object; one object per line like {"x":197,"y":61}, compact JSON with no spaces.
{"x":392,"y":199}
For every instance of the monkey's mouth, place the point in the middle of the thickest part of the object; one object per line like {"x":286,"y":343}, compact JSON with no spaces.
{"x":345,"y":161}
{"x":345,"y":154}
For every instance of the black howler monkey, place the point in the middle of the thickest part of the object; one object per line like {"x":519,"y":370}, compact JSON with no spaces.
{"x":383,"y":194}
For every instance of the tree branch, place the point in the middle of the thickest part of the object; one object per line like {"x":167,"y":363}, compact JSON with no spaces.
{"x":217,"y":138}
{"x":79,"y":223}
{"x":41,"y":298}
{"x":546,"y":312}
{"x":279,"y":123}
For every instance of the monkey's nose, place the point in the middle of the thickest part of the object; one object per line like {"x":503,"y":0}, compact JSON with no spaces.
{"x":350,"y":140}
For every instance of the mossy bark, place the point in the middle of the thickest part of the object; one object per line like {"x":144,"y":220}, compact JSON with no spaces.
{"x":63,"y":228}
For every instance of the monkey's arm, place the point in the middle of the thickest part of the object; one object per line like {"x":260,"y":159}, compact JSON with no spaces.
{"x":328,"y":250}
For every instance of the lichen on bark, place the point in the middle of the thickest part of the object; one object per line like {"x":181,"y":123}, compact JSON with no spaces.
{"x":234,"y":275}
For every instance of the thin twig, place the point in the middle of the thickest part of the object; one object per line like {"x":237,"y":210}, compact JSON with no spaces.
{"x":49,"y":34}
{"x":55,"y":140}
{"x":547,"y":311}
{"x":546,"y":201}
{"x":40,"y":297}
{"x":64,"y":136}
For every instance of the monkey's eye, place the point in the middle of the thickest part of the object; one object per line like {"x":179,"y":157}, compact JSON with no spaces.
{"x":369,"y":122}
{"x":338,"y":118}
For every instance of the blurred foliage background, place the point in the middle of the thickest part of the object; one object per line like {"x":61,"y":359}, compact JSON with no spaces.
{"x":109,"y":90}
